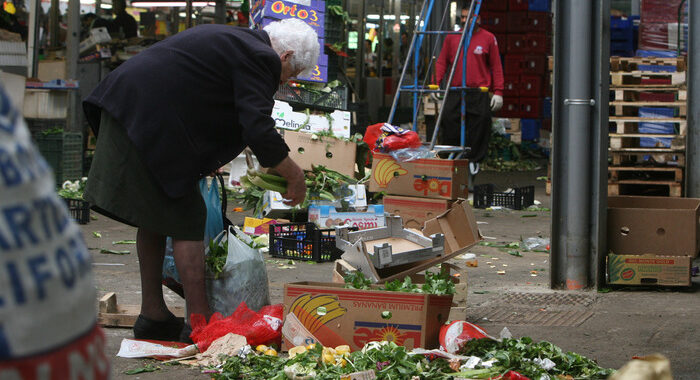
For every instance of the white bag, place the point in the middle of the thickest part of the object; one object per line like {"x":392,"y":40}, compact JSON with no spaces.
{"x":244,"y":277}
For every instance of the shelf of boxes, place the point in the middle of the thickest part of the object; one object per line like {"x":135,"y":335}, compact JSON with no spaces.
{"x":648,"y":109}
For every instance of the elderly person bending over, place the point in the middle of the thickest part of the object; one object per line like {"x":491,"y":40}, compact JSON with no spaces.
{"x":169,"y":116}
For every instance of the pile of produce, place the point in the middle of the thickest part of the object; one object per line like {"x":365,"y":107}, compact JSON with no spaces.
{"x":73,"y":189}
{"x":321,"y":183}
{"x":506,"y":156}
{"x":437,"y":283}
{"x":514,"y":359}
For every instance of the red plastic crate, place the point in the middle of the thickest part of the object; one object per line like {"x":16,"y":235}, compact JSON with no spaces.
{"x":655,"y":81}
{"x":538,"y":43}
{"x":530,"y":108}
{"x":518,"y":22}
{"x":539,"y":22}
{"x":517,"y":43}
{"x":513,"y":64}
{"x":517,"y":5}
{"x":534,"y":64}
{"x":511,"y":85}
{"x":548,"y":84}
{"x":657,"y":96}
{"x":531,"y":85}
{"x":498,"y":5}
{"x":511,"y":108}
{"x":502,"y":40}
{"x":494,"y":22}
{"x":660,"y":10}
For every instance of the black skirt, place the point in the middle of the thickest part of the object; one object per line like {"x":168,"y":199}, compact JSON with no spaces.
{"x":120,"y":186}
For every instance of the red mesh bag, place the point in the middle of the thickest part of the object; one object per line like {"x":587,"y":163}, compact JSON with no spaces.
{"x":262,"y":327}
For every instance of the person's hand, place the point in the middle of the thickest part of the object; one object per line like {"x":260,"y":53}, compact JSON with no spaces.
{"x":296,"y":187}
{"x":496,"y":103}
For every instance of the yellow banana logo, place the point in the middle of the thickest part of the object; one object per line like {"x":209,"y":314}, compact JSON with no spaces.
{"x":385,"y":170}
{"x":313,"y":312}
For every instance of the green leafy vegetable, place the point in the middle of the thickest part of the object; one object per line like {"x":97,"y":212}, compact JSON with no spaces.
{"x":146,"y":368}
{"x":114,"y":252}
{"x":216,"y":258}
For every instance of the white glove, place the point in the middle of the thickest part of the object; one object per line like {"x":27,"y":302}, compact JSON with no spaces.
{"x":496,"y":103}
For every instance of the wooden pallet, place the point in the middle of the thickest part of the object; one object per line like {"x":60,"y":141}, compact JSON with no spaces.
{"x":622,"y":157}
{"x":632,"y":63}
{"x":112,"y":314}
{"x":548,"y":187}
{"x":631,"y":140}
{"x":619,"y":174}
{"x":623,"y":108}
{"x":631,"y":93}
{"x":635,"y":77}
{"x":630,"y":124}
{"x":673,"y":189}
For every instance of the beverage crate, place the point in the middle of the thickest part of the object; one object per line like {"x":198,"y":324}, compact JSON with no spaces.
{"x":64,"y":153}
{"x":79,"y":210}
{"x":539,"y":5}
{"x":337,"y":98}
{"x":303,"y":241}
{"x":518,"y":199}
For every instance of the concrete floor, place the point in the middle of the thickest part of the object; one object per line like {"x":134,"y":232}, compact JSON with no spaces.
{"x":609,"y":327}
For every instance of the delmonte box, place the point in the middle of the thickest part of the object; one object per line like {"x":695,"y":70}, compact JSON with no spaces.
{"x":648,"y":270}
{"x":415,"y":210}
{"x":331,"y":315}
{"x":428,"y":177}
{"x":286,"y":118}
{"x":653,"y":225}
{"x":307,"y":149}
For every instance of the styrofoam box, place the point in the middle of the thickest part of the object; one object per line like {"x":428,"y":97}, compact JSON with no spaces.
{"x":45,"y":104}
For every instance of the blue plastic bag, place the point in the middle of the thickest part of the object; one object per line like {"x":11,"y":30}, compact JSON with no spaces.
{"x":213,"y":227}
{"x":215,"y":219}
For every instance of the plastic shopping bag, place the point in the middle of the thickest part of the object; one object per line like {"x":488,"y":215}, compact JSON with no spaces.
{"x":212,"y":199}
{"x":243,"y":279}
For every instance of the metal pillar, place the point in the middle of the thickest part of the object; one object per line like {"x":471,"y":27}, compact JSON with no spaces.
{"x":33,"y":39}
{"x":360,"y":70}
{"x":579,"y":151}
{"x":693,"y":147}
{"x":54,"y":29}
{"x":72,"y":56}
{"x":188,"y":14}
{"x":220,"y":12}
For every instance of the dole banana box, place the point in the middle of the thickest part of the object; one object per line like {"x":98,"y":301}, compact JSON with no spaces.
{"x":331,"y":315}
{"x":427,"y":177}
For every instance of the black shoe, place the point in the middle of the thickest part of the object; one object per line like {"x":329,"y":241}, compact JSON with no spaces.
{"x":167,"y":330}
{"x":185,"y":334}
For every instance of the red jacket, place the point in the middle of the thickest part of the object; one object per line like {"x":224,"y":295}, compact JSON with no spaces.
{"x":483,"y":62}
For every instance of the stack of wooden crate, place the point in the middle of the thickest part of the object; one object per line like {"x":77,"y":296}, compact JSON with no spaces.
{"x":648,"y":108}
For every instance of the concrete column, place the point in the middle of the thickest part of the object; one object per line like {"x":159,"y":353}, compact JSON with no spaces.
{"x":693,"y":144}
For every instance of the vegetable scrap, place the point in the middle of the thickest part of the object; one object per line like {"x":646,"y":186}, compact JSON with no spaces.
{"x":435,"y":283}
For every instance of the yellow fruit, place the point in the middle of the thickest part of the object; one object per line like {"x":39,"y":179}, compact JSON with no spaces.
{"x":343,"y":362}
{"x":271,"y":352}
{"x":311,"y":346}
{"x":341,"y":350}
{"x":294,"y":351}
{"x":328,"y":358}
{"x":261,"y":348}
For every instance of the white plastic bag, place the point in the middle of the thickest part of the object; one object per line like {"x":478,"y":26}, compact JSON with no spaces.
{"x":244,"y":277}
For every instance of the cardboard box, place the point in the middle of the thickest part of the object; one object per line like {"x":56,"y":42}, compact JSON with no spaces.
{"x":514,"y":125}
{"x":255,"y":226}
{"x":286,"y":118}
{"x":428,"y":177}
{"x":458,"y":224}
{"x":308,"y":149}
{"x":313,"y":14}
{"x":648,"y":270}
{"x":653,"y":225}
{"x":326,"y":216}
{"x":415,"y":210}
{"x":461,"y":233}
{"x":355,"y":317}
{"x":274,"y":207}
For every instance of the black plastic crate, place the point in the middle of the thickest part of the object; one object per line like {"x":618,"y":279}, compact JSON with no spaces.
{"x":79,"y":210}
{"x":337,"y":98}
{"x":517,"y":199}
{"x":303,"y":241}
{"x":63,"y":151}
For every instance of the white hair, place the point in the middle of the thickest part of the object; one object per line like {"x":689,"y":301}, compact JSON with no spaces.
{"x":297,"y":36}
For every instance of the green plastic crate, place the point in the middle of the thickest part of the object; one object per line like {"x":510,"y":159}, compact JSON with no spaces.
{"x":64,"y":153}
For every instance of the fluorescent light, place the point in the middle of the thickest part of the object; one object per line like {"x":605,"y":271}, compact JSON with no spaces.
{"x":182,"y":14}
{"x":378,"y":17}
{"x":154,"y":4}
{"x":106,"y":6}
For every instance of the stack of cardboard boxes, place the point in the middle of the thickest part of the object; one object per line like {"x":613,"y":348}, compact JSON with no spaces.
{"x":652,"y":240}
{"x":421,"y":189}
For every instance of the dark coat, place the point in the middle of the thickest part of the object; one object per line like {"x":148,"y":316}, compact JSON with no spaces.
{"x":193,"y":102}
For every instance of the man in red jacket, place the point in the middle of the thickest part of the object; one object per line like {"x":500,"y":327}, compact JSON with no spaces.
{"x":483,"y":70}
